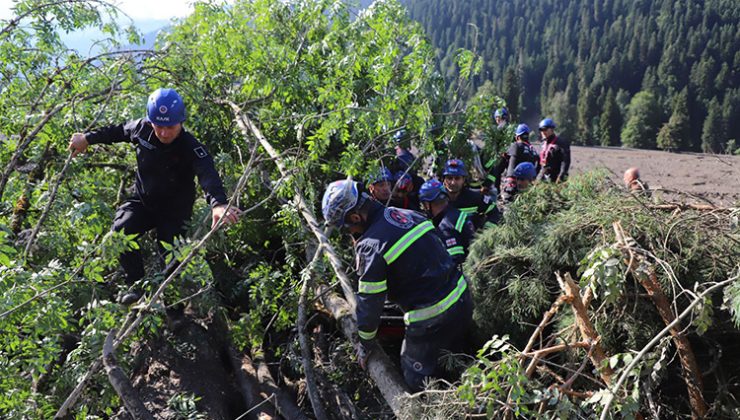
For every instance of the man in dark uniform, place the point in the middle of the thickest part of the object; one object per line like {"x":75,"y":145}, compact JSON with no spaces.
{"x":400,"y":255}
{"x":520,"y":150}
{"x":453,"y":226}
{"x":501,"y":115}
{"x":480,"y":208}
{"x":555,"y":154}
{"x":168,"y":158}
{"x":403,"y":195}
{"x":380,"y":186}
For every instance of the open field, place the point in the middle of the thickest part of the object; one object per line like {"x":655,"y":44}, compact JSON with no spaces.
{"x":713,"y":177}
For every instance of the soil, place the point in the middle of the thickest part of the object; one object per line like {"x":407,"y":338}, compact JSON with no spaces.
{"x":709,"y":177}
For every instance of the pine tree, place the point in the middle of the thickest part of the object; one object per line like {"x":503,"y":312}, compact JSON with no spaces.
{"x":511,"y":90}
{"x":713,"y":134}
{"x":610,"y":121}
{"x":675,"y":134}
{"x":586,"y":113}
{"x":643,"y":121}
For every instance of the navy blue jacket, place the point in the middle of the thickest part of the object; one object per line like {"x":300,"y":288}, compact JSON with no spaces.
{"x":165,"y":172}
{"x":456,"y":231}
{"x":414,"y":273}
{"x":481,"y":209}
{"x":520,"y":152}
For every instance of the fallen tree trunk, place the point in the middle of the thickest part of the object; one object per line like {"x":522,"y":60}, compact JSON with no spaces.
{"x":249,"y":388}
{"x":379,"y":366}
{"x":283,"y":402}
{"x":645,"y":274}
{"x":121,"y":383}
{"x":313,"y":393}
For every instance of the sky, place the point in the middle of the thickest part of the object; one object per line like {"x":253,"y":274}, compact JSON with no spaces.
{"x":147,"y":15}
{"x":138,"y":10}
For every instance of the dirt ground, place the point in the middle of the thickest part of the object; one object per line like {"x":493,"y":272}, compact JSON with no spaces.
{"x":713,"y":177}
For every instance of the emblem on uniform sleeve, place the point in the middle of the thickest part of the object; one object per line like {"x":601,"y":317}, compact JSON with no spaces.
{"x":200,"y":152}
{"x":450,"y":242}
{"x":397,"y":218}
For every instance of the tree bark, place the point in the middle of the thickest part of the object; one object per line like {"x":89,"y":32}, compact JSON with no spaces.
{"x":249,"y":388}
{"x":121,"y":383}
{"x":379,"y":366}
{"x":588,"y":332}
{"x":283,"y":401}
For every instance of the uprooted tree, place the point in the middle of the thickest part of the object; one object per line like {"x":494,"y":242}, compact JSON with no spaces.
{"x":289,"y":96}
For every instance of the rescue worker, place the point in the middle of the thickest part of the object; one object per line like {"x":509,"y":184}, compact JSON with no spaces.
{"x":480,"y":208}
{"x":453,"y":226}
{"x":402,"y":194}
{"x":168,"y":158}
{"x":520,"y":150}
{"x":632,"y":181}
{"x":519,"y":181}
{"x":400,"y":255}
{"x":405,"y":162}
{"x":555,"y":154}
{"x":501,"y":115}
{"x":380,"y":186}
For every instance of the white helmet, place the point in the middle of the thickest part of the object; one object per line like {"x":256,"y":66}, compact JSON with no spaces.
{"x":340,"y":197}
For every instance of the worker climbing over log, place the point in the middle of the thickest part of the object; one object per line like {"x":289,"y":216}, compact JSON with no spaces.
{"x":168,"y":158}
{"x":399,"y":255}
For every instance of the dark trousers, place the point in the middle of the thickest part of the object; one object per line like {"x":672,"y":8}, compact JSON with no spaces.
{"x":424,"y":340}
{"x":134,"y":217}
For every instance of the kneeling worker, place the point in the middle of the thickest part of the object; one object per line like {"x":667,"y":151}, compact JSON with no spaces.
{"x":400,"y":255}
{"x":453,"y":226}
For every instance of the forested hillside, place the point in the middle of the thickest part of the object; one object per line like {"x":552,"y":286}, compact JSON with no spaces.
{"x":662,"y":73}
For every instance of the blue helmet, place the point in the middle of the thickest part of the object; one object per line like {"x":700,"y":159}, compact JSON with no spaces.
{"x":404,"y":181}
{"x":525,"y":170}
{"x":455,"y":167}
{"x":501,"y":112}
{"x":339,"y":198}
{"x":381,"y":176}
{"x":431,"y":190}
{"x":404,"y":158}
{"x":165,"y":107}
{"x":547,"y":123}
{"x":522,"y":129}
{"x":400,"y":135}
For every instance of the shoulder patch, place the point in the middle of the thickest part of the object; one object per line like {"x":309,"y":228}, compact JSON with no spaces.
{"x":397,"y":218}
{"x":450,"y":242}
{"x":200,"y":152}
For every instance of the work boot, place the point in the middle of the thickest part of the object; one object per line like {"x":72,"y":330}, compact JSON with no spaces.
{"x":130,"y":297}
